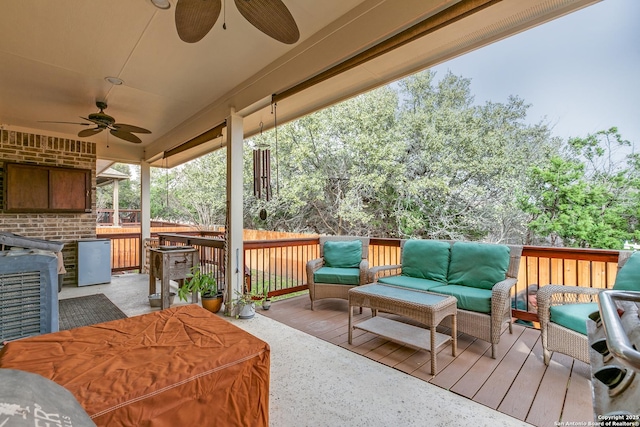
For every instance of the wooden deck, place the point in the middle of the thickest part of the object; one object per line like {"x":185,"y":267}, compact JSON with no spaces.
{"x":516,"y":383}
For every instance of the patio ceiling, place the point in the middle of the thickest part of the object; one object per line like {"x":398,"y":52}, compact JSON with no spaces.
{"x":54,"y":57}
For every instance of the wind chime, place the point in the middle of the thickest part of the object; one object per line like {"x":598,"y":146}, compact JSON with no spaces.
{"x":262,"y":166}
{"x":262,"y":169}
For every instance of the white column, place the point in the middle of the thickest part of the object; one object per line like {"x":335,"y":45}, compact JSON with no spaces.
{"x":235,"y":255}
{"x":116,"y":202}
{"x":145,"y":209}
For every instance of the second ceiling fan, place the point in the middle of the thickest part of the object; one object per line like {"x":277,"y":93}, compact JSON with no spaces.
{"x":195,"y":18}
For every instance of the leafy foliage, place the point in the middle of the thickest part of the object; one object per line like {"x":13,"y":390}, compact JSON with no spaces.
{"x":588,"y":195}
{"x":420,"y":159}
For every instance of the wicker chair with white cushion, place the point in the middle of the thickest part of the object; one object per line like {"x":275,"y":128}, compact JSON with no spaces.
{"x":564,"y":310}
{"x":343,"y":264}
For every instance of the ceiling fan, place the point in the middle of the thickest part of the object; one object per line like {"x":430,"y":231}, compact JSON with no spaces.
{"x":195,"y":18}
{"x":104,"y":121}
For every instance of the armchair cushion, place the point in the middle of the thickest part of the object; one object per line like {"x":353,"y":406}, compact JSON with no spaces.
{"x":426,"y":259}
{"x":573,"y":316}
{"x":489,"y":265}
{"x":628,"y":278}
{"x":410,"y":282}
{"x":338,"y":276}
{"x":343,"y":254}
{"x":472,"y":299}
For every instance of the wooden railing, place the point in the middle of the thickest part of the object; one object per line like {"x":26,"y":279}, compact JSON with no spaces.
{"x":210,"y":245}
{"x":125,"y":216}
{"x":126,"y":247}
{"x":277,"y":266}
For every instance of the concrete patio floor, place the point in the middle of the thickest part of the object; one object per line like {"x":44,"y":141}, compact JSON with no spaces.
{"x":315,"y":383}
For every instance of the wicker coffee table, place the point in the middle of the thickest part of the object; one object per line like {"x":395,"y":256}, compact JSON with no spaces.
{"x":424,"y":307}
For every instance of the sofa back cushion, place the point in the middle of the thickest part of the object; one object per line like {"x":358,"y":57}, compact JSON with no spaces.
{"x":479,"y":265}
{"x":343,"y":254}
{"x":426,"y":259}
{"x":628,"y":278}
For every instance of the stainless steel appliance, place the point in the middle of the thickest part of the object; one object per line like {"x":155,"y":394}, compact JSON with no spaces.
{"x":94,"y":261}
{"x":614,"y":338}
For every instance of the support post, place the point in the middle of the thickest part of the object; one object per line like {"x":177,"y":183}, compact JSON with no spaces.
{"x":235,"y":251}
{"x":145,"y":209}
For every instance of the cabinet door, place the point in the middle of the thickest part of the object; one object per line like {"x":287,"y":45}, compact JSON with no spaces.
{"x":68,"y":189}
{"x":27,"y":188}
{"x":37,"y":188}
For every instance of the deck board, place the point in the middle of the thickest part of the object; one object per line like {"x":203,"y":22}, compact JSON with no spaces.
{"x":547,"y":407}
{"x":479,"y":373}
{"x":497,"y":385}
{"x":523,"y":390}
{"x":516,"y":383}
{"x":579,"y":393}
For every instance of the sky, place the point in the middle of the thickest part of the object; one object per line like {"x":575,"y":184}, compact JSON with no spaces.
{"x":580,"y":72}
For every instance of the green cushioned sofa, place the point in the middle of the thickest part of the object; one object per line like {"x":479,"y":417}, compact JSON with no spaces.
{"x":343,"y":264}
{"x":564,"y":310}
{"x":479,"y":275}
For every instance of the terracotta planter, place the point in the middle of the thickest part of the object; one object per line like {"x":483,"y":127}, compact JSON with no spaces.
{"x":213,"y":304}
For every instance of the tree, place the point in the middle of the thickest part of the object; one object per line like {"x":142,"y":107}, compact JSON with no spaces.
{"x":199,"y":190}
{"x":465,"y":163}
{"x":333,"y":165}
{"x":588,"y":195}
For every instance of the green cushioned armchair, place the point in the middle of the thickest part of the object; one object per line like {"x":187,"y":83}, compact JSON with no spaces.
{"x":343,"y":264}
{"x":563,"y":310}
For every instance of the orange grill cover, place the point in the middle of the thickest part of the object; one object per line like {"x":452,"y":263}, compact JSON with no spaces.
{"x":183,"y":366}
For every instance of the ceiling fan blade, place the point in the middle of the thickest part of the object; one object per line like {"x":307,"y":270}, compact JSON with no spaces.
{"x":195,"y":18}
{"x":95,"y":122}
{"x":89,"y":132}
{"x":126,"y":136}
{"x":271,"y":17}
{"x":129,"y":128}
{"x":70,"y":123}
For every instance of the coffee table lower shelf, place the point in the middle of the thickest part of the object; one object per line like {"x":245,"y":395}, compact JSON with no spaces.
{"x":403,"y":333}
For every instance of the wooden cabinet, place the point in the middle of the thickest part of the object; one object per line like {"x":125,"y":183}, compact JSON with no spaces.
{"x":36,"y":188}
{"x":171,"y":263}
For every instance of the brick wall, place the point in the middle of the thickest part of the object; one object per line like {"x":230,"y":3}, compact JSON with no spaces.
{"x":30,"y":148}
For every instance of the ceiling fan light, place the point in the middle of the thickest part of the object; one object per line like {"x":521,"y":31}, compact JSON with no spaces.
{"x":114,"y":80}
{"x":161,"y":4}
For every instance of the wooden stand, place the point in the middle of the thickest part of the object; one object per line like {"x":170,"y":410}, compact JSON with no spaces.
{"x":171,"y":263}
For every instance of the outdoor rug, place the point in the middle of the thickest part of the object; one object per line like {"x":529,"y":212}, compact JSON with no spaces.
{"x":87,"y":310}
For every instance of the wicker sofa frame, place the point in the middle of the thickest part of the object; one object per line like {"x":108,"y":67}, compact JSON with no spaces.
{"x":487,"y":327}
{"x":558,"y":338}
{"x":319,"y":291}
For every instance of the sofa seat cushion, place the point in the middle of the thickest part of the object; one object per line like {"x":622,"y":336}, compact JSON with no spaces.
{"x":339,"y":276}
{"x":426,"y":259}
{"x":573,"y":316}
{"x":471,"y":299}
{"x":478,"y":265}
{"x":409,"y":282}
{"x":342,"y":254}
{"x":628,"y":278}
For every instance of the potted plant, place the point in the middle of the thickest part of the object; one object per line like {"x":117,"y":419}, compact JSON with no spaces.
{"x":246,"y":305}
{"x":206,"y":285}
{"x":266,"y":301}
